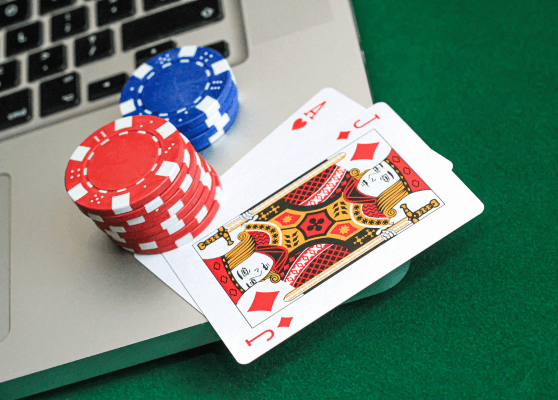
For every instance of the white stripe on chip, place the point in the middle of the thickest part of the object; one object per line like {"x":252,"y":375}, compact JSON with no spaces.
{"x":213,"y":119}
{"x":176,"y":227}
{"x":213,"y":138}
{"x":187,"y":51}
{"x":153,"y":204}
{"x":169,"y":222}
{"x":220,"y":125}
{"x":184,"y":240}
{"x":79,"y":153}
{"x":208,"y":105}
{"x":136,"y":221}
{"x":77,"y":192}
{"x":123,"y":123}
{"x":166,"y":130}
{"x":148,"y":245}
{"x":176,"y":208}
{"x":121,"y":204}
{"x":142,"y":70}
{"x":115,"y":236}
{"x":94,"y":217}
{"x":186,"y":183}
{"x":186,"y":157}
{"x":205,"y":178}
{"x":220,"y":66}
{"x":201,"y":215}
{"x":170,"y":169}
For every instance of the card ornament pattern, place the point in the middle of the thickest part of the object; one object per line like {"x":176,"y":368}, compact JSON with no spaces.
{"x":308,"y":189}
{"x":327,"y":188}
{"x":304,"y":260}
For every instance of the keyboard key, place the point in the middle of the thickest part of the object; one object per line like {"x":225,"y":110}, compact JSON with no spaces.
{"x":94,"y":47}
{"x":47,"y":62}
{"x":145,"y":54}
{"x":9,"y":75}
{"x":22,"y":39}
{"x":69,"y":23}
{"x":13,"y":12}
{"x":59,"y":94}
{"x":113,"y":10}
{"x":15,"y":109}
{"x":169,"y":22}
{"x":222,"y":47}
{"x":151,"y":4}
{"x":46,"y":6}
{"x":107,"y":87}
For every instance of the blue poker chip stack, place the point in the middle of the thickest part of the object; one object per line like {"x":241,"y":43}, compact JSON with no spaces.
{"x":191,"y":87}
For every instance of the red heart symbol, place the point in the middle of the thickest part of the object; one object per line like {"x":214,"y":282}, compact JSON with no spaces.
{"x":299,"y":123}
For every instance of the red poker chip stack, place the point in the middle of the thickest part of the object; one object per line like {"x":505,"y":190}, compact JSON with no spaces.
{"x":143,"y":184}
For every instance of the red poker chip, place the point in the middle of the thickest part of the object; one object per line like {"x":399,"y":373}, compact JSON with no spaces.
{"x":124,"y":165}
{"x":182,"y":237}
{"x":190,"y":198}
{"x":181,"y":189}
{"x":175,"y":222}
{"x":136,"y":230}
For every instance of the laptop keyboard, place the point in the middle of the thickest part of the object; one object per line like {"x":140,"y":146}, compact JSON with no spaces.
{"x":50,"y":46}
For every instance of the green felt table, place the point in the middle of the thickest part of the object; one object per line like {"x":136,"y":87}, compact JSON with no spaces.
{"x":477,"y":315}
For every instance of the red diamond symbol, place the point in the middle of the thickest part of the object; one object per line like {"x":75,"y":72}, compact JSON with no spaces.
{"x":365,"y":151}
{"x":263,"y":301}
{"x":343,"y":135}
{"x":285,"y":322}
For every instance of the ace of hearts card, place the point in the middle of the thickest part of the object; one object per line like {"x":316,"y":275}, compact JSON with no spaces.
{"x":311,"y":244}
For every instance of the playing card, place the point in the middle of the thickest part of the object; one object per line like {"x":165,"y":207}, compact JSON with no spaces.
{"x":157,"y":264}
{"x":321,"y":233}
{"x":326,"y":108}
{"x":311,"y":122}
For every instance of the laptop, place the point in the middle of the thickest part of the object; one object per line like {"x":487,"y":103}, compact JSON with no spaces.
{"x":72,"y":305}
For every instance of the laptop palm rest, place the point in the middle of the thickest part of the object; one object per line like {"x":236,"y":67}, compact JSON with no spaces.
{"x":5,"y":208}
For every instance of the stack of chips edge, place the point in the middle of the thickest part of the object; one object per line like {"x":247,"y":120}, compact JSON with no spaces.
{"x":191,"y":87}
{"x":143,"y":184}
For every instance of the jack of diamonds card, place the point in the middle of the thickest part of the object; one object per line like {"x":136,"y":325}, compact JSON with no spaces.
{"x":297,"y":254}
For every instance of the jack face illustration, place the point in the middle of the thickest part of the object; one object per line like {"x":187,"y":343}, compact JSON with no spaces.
{"x":249,"y":262}
{"x":376,"y":180}
{"x":316,"y":224}
{"x":253,"y":270}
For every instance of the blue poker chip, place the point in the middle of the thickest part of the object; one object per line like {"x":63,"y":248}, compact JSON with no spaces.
{"x":208,"y":125}
{"x":226,"y":105}
{"x":205,"y":140}
{"x":185,"y":86}
{"x":209,"y":136}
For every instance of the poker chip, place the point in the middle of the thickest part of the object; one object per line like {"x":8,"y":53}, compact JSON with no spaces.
{"x":211,"y":123}
{"x":163,"y":205}
{"x":185,"y":85}
{"x":172,"y":223}
{"x":189,"y":173}
{"x":206,"y":139}
{"x":191,"y":87}
{"x":124,"y":165}
{"x":192,"y":191}
{"x":185,"y":235}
